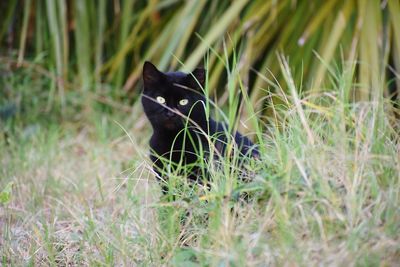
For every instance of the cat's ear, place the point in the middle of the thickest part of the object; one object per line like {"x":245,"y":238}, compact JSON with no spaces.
{"x":151,"y":74}
{"x":198,"y":78}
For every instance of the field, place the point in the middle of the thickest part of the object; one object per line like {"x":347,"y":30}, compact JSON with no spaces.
{"x":76,"y":183}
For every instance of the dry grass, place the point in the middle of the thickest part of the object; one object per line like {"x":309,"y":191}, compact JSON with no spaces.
{"x":326,"y":190}
{"x":73,"y":200}
{"x":82,"y":200}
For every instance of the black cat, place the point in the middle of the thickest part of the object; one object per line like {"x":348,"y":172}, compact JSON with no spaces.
{"x":174,"y":103}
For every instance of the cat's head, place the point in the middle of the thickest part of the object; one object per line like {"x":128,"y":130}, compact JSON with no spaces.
{"x":169,"y":97}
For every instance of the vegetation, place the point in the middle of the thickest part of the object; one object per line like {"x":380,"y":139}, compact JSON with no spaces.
{"x":318,"y":84}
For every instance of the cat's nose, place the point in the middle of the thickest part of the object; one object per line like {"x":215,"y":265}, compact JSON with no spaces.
{"x":170,"y":113}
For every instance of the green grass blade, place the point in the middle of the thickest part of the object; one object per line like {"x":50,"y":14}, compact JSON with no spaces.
{"x":215,"y":32}
{"x":22,"y":41}
{"x":83,"y":44}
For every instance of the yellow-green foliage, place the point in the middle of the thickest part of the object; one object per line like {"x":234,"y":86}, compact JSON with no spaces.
{"x":107,"y":41}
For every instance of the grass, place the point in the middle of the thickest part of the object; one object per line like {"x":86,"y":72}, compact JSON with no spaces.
{"x":83,"y":42}
{"x":324,"y":192}
{"x":76,"y":185}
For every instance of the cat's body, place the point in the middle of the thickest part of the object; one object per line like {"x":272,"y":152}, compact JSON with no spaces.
{"x":172,"y":101}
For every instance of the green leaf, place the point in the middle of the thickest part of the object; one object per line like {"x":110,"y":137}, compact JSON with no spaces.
{"x":5,"y":194}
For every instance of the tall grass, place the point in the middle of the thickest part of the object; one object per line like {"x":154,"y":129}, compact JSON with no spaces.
{"x":324,"y":191}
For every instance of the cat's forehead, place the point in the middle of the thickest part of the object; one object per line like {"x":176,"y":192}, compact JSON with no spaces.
{"x":175,"y":77}
{"x":175,"y":82}
{"x":169,"y":89}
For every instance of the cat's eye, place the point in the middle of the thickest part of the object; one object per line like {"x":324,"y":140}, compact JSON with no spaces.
{"x":183,"y":102}
{"x":160,"y":99}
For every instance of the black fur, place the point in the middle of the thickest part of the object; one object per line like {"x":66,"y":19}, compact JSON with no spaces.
{"x":169,"y":139}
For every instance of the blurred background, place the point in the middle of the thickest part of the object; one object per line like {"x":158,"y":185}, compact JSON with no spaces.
{"x":60,"y":57}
